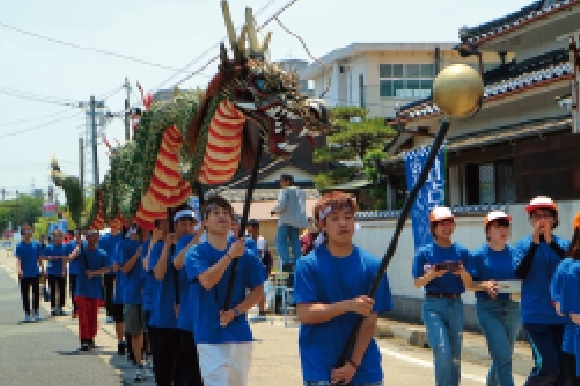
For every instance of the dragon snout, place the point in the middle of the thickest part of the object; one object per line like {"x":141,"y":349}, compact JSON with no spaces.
{"x":319,"y":111}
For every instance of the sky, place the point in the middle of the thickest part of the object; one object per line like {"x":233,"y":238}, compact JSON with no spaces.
{"x":170,"y":33}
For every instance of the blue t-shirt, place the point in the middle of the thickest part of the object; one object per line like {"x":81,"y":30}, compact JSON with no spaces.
{"x":117,"y":257}
{"x":431,"y":254}
{"x":148,"y":280}
{"x":321,"y":278}
{"x":55,"y":266}
{"x":536,"y":302}
{"x":164,"y":297}
{"x":567,"y":275}
{"x":184,"y":319}
{"x":73,"y":265}
{"x":486,"y":264}
{"x":108,"y":243}
{"x":133,"y":280}
{"x":207,"y":304}
{"x":91,"y":260}
{"x":28,"y":254}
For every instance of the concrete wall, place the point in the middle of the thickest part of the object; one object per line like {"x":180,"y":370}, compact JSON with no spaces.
{"x":375,"y":235}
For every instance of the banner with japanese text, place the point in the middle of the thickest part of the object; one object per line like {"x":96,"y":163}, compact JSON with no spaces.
{"x":432,"y":194}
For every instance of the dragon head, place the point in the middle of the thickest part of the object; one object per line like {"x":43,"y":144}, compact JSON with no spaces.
{"x":264,"y":93}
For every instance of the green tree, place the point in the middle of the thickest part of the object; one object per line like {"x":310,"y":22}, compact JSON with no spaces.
{"x":353,"y":135}
{"x":372,"y":170}
{"x":20,"y":210}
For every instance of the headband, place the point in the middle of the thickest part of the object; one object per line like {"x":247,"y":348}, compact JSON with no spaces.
{"x":92,"y":232}
{"x":334,"y":206}
{"x":190,"y":214}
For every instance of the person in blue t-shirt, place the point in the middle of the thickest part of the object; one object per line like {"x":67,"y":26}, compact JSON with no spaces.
{"x":73,"y":270}
{"x":134,"y":316}
{"x":222,"y":331}
{"x":439,"y":267}
{"x":564,"y":289}
{"x":536,"y":259}
{"x":116,"y":307}
{"x":57,"y":255}
{"x":331,"y":286}
{"x":93,"y":263}
{"x":147,"y":283}
{"x":498,"y":313}
{"x":163,"y":313}
{"x":187,"y":363}
{"x":108,"y":242}
{"x":28,"y":263}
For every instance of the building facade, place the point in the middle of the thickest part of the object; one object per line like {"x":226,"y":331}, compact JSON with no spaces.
{"x":382,"y":77}
{"x":522,"y":143}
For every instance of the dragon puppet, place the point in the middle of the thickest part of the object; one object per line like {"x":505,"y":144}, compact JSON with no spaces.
{"x":205,"y":138}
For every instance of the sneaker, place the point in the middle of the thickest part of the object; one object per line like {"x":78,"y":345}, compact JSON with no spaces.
{"x":109,"y":319}
{"x":61,"y":312}
{"x":145,"y":370}
{"x":121,"y":348}
{"x":35,"y":317}
{"x":27,"y":319}
{"x":85,"y":347}
{"x":54,"y":312}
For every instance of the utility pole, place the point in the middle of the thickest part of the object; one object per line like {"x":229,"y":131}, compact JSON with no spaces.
{"x":82,"y":177}
{"x":127,"y":112}
{"x":93,"y":107}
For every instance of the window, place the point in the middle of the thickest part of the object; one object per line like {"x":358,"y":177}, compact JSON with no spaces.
{"x":406,"y":81}
{"x":387,"y":88}
{"x":385,"y":70}
{"x":490,"y":183}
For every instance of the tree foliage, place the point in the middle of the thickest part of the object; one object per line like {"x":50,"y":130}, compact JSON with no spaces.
{"x":353,"y":135}
{"x":21,"y":210}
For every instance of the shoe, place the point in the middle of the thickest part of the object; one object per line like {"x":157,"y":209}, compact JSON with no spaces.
{"x":35,"y":318}
{"x":75,"y":315}
{"x":27,"y":319}
{"x":61,"y":312}
{"x":53,"y":312}
{"x":85,"y":345}
{"x":92,"y":343}
{"x":140,"y":374}
{"x":145,"y":370}
{"x":109,"y":319}
{"x":121,"y":348}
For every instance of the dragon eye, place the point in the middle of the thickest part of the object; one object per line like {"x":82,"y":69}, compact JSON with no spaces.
{"x":260,"y":84}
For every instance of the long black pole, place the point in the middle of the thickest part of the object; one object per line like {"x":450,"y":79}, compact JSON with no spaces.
{"x":437,"y":143}
{"x":245,"y":215}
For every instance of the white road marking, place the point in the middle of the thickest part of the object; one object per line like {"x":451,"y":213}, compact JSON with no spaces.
{"x":424,"y":363}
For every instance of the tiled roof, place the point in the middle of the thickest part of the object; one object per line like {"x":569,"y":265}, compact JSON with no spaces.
{"x":502,"y":134}
{"x":506,"y":80}
{"x":504,"y":25}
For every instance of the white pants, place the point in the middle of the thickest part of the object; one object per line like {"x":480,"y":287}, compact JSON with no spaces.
{"x":225,"y":364}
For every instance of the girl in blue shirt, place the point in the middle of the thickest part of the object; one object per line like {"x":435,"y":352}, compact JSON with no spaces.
{"x":498,"y":314}
{"x":440,"y":268}
{"x":56,"y":254}
{"x":330,"y":290}
{"x":566,"y":286}
{"x":536,"y":259}
{"x":28,"y":254}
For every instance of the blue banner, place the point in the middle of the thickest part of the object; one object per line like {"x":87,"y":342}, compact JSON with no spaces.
{"x":432,"y":194}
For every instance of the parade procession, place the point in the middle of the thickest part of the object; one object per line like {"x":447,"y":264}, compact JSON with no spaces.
{"x":270,"y":228}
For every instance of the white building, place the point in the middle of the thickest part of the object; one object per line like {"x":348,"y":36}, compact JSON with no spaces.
{"x":383,"y":76}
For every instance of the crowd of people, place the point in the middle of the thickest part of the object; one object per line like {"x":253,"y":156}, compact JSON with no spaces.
{"x":181,"y":309}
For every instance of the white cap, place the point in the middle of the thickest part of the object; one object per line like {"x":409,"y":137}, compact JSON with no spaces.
{"x":541,"y":202}
{"x":496,"y":215}
{"x":440,"y":213}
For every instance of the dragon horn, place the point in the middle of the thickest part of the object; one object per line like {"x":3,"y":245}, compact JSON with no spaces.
{"x":266,"y":42}
{"x":252,"y":33}
{"x":229,"y":25}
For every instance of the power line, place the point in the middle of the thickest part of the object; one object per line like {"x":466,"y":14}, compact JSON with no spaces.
{"x":13,"y":123}
{"x":79,"y":47}
{"x":39,"y":126}
{"x":215,"y":46}
{"x":35,"y":97}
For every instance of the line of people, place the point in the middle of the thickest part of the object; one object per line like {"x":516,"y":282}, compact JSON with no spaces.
{"x":174,"y":288}
{"x":527,"y":285}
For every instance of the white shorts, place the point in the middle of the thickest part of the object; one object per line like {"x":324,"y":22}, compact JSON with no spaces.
{"x":225,"y":364}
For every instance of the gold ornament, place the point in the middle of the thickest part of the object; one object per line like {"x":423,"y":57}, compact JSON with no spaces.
{"x":458,"y":90}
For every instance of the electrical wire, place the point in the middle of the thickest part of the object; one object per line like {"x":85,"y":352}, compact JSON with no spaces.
{"x":14,"y":133}
{"x":36,"y":98}
{"x":215,"y":46}
{"x":24,"y":120}
{"x":79,"y":47}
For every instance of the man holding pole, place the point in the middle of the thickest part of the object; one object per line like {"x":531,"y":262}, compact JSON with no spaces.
{"x":223,"y":338}
{"x":330,"y":291}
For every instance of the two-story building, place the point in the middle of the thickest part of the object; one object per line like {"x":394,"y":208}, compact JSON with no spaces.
{"x":383,"y":76}
{"x":522,"y":142}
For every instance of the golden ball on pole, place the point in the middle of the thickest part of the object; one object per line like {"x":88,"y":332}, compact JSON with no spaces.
{"x":458,"y":90}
